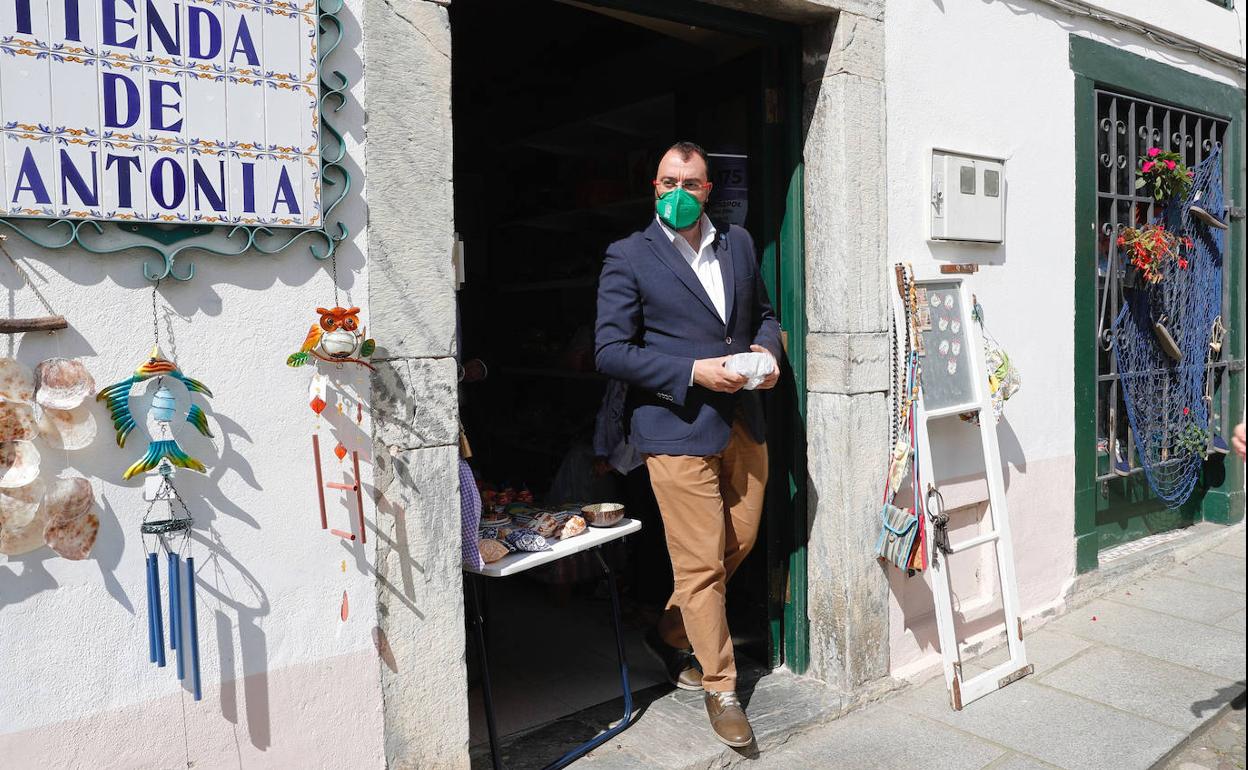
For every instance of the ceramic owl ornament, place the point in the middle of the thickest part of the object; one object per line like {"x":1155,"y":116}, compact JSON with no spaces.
{"x":336,"y":338}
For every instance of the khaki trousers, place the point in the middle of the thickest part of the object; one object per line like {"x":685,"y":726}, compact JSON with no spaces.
{"x":711,"y":507}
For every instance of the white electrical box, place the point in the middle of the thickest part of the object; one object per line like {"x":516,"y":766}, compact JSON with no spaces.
{"x":967,"y":198}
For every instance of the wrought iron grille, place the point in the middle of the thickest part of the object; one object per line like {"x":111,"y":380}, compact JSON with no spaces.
{"x":1126,"y":127}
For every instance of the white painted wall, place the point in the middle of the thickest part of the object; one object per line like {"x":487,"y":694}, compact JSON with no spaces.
{"x":994,"y":79}
{"x":286,"y":683}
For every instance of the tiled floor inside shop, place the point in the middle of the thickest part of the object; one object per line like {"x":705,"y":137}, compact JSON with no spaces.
{"x":552,"y":653}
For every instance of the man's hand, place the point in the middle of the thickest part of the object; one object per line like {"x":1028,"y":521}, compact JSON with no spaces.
{"x":711,"y":374}
{"x":774,"y":377}
{"x":1237,"y":440}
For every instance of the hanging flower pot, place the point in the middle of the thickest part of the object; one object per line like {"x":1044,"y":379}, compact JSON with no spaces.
{"x":1163,"y":173}
{"x":1148,"y":249}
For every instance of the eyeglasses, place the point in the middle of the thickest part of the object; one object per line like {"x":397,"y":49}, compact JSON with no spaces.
{"x":689,"y":185}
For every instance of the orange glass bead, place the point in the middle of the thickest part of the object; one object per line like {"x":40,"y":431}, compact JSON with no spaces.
{"x":340,"y":451}
{"x":318,"y":404}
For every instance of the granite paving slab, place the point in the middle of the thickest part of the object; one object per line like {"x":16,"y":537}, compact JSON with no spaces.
{"x":1173,"y":596}
{"x":1212,"y":568}
{"x":1144,"y":686}
{"x":882,"y":738}
{"x":1186,"y":643}
{"x":1050,"y":725}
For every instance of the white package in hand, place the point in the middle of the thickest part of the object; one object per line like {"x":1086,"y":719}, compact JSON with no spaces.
{"x":756,"y":366}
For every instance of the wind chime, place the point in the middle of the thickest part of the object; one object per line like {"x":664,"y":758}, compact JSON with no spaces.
{"x":171,"y":535}
{"x":337,"y":338}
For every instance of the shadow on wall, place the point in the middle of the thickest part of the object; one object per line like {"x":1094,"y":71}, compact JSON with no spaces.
{"x":224,"y":578}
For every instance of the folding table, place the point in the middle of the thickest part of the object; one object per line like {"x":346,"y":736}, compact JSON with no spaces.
{"x":592,"y":539}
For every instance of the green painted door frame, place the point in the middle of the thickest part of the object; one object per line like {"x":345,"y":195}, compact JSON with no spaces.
{"x":1125,"y":509}
{"x":783,"y":269}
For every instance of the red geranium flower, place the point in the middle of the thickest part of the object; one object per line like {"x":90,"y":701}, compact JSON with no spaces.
{"x":1153,"y":152}
{"x":1148,"y":165}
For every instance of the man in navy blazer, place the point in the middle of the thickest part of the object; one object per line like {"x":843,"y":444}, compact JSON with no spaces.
{"x":676,"y":302}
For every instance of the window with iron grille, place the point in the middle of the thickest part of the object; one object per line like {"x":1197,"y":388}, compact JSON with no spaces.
{"x":1126,"y":127}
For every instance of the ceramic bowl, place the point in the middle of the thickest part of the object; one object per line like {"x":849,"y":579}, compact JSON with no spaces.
{"x":603,"y":514}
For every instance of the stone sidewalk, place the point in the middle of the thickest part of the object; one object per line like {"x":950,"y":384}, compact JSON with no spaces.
{"x":1120,"y":682}
{"x":1153,"y":652}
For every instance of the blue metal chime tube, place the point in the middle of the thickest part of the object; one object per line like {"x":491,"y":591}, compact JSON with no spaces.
{"x":175,"y":608}
{"x":158,"y":621}
{"x":152,"y":600}
{"x":190,"y":609}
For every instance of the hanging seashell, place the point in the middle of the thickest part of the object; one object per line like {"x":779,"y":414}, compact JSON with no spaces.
{"x":62,"y":383}
{"x":68,"y":429}
{"x":17,"y":421}
{"x":163,"y":405}
{"x":19,"y":463}
{"x":19,"y":506}
{"x":67,"y":499}
{"x":17,"y":381}
{"x":15,"y":541}
{"x":73,"y":539}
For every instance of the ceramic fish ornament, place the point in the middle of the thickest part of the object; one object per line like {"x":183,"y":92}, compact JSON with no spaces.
{"x":117,"y":398}
{"x":337,"y":338}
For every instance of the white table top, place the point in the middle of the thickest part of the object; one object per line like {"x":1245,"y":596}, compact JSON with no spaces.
{"x":525,"y":560}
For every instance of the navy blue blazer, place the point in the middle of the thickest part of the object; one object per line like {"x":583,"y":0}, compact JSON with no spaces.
{"x":655,"y":319}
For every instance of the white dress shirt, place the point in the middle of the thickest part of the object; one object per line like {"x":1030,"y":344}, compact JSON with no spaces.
{"x":705,"y":265}
{"x":704,"y":262}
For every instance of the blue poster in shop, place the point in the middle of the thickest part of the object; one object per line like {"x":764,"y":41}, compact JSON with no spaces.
{"x":730,"y":195}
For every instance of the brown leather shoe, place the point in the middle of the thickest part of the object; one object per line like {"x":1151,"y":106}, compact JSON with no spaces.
{"x":728,"y":719}
{"x":680,"y":665}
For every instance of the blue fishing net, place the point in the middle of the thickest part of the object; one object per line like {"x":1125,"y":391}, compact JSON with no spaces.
{"x":1165,"y":397}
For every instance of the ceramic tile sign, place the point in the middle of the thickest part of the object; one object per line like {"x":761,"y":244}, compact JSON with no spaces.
{"x":946,"y":365}
{"x":199,"y":111}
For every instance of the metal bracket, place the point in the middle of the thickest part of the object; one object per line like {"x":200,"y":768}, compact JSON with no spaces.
{"x":166,"y":242}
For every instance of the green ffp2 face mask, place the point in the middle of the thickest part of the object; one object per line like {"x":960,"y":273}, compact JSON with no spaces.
{"x":678,"y":208}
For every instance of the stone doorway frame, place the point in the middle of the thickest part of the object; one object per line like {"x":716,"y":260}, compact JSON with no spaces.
{"x":412,"y":311}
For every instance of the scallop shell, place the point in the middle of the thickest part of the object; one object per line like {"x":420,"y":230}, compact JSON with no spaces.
{"x":19,"y":463}
{"x":73,"y":539}
{"x":17,"y":381}
{"x":19,"y":506}
{"x":68,"y":428}
{"x":574,"y":526}
{"x":15,"y":541}
{"x":63,"y":383}
{"x":67,"y":499}
{"x":492,"y":550}
{"x":17,"y":421}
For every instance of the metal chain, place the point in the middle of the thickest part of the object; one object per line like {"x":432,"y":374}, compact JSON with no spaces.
{"x":333,"y":263}
{"x":155,"y":315}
